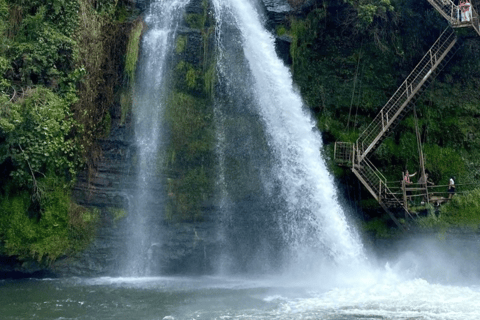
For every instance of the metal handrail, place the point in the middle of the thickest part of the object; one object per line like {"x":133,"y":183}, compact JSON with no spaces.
{"x":381,"y":182}
{"x":451,"y":12}
{"x":405,"y":93}
{"x":396,"y":106}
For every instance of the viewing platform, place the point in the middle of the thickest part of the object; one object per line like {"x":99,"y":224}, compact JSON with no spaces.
{"x":459,"y":16}
{"x":354,"y":154}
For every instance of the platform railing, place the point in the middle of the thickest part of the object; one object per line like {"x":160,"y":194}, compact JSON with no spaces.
{"x":344,"y":153}
{"x":452,"y":13}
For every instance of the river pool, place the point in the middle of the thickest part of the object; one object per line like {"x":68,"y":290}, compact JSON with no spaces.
{"x":376,"y":295}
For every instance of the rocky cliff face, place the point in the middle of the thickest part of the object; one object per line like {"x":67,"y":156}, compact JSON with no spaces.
{"x":277,"y":12}
{"x":188,"y":245}
{"x":112,"y":182}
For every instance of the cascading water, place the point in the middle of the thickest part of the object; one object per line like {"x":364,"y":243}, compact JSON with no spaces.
{"x":276,"y":197}
{"x":271,"y":173}
{"x":277,"y":202}
{"x":147,"y":206}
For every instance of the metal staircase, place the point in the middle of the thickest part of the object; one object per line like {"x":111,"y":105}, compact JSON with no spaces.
{"x":354,"y":155}
{"x":402,"y":100}
{"x":452,"y":13}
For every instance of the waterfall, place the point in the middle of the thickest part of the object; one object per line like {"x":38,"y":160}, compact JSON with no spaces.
{"x":146,"y":210}
{"x":271,"y":170}
{"x":276,"y":204}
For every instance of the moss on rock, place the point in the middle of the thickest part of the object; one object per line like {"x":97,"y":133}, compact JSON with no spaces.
{"x":63,"y":228}
{"x":189,"y":160}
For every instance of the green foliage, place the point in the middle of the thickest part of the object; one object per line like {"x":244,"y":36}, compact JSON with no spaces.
{"x":131,"y":59}
{"x":347,"y":68}
{"x":209,"y":80}
{"x":281,"y":30}
{"x":195,"y":21}
{"x":342,"y":76}
{"x":188,"y":77}
{"x":181,"y":44}
{"x":42,"y":52}
{"x":368,"y":10}
{"x":432,"y":223}
{"x":189,"y":121}
{"x":107,"y":124}
{"x":63,"y":227}
{"x":444,"y":163}
{"x":102,"y":44}
{"x":297,"y":31}
{"x":118,"y":213}
{"x":189,"y":160}
{"x":35,"y":131}
{"x":378,"y":227}
{"x":4,"y":63}
{"x":190,"y":156}
{"x":133,"y":47}
{"x":463,"y":210}
{"x":53,"y":56}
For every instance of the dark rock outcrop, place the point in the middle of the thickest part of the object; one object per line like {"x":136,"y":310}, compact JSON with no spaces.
{"x":277,"y":13}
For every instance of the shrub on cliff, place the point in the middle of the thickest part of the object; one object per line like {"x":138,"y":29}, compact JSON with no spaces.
{"x":463,"y":210}
{"x":57,"y":82}
{"x":35,"y":134}
{"x":62,"y":228}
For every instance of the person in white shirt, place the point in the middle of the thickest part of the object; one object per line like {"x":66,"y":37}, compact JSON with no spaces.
{"x":451,"y":187}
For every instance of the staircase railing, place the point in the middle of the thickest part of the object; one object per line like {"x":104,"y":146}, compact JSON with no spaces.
{"x":344,"y":153}
{"x":372,"y":135}
{"x":375,"y":182}
{"x":475,"y":20}
{"x":452,"y":13}
{"x":354,"y":154}
{"x":448,"y":10}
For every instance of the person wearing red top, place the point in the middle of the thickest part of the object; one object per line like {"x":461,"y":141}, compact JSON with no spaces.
{"x":465,"y":8}
{"x":406,"y":178}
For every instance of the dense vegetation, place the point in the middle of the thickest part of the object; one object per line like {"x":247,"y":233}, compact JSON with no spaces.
{"x":62,"y":70}
{"x":349,"y":58}
{"x":56,"y":87}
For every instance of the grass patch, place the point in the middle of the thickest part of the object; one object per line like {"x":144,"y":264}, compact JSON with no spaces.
{"x":462,"y":211}
{"x":62,"y":228}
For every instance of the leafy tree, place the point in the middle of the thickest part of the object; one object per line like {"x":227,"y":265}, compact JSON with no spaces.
{"x":35,"y":134}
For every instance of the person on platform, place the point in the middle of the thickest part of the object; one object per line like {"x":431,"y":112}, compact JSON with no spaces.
{"x":407,"y":181}
{"x":407,"y":177}
{"x":451,"y":188}
{"x":465,"y":8}
{"x":424,"y":182}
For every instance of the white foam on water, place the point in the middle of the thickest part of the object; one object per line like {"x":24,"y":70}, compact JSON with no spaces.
{"x":415,"y":299}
